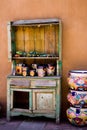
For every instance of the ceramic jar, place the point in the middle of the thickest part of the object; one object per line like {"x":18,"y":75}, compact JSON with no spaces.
{"x":77,"y":79}
{"x":24,"y":71}
{"x":50,"y":70}
{"x":41,"y":71}
{"x":77,"y":98}
{"x":77,"y":116}
{"x":34,"y":66}
{"x":32,"y":73}
{"x":19,"y":69}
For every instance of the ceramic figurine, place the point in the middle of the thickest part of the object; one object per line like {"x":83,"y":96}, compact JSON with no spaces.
{"x":50,"y":70}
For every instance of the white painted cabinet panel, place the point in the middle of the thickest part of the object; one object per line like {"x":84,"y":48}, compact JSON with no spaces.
{"x":44,"y":100}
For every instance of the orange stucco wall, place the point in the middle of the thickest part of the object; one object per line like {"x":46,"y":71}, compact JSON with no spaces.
{"x":73,"y":14}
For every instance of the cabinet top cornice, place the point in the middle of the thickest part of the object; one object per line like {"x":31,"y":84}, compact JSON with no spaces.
{"x":35,"y":21}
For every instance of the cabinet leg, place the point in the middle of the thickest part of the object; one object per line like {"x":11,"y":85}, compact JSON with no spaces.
{"x":57,"y":120}
{"x":8,"y":118}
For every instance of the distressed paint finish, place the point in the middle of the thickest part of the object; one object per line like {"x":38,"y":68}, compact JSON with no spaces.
{"x":8,"y":100}
{"x":42,"y":101}
{"x":9,"y":41}
{"x":60,"y":40}
{"x":58,"y":100}
{"x":43,"y":92}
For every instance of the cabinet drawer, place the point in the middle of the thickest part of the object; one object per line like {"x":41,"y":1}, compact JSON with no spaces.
{"x":20,"y":82}
{"x":43,"y":83}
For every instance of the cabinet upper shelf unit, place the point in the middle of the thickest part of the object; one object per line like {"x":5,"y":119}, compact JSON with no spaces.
{"x":39,"y":35}
{"x":34,"y":48}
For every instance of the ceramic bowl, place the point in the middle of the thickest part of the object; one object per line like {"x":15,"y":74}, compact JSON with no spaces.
{"x":77,"y":116}
{"x":77,"y":98}
{"x":77,"y":79}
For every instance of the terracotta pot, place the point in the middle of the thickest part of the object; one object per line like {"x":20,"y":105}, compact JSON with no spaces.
{"x":77,"y":79}
{"x":77,"y":116}
{"x":77,"y":98}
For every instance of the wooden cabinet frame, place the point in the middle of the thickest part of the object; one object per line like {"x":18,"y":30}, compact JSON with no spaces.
{"x":43,"y":35}
{"x":47,"y":93}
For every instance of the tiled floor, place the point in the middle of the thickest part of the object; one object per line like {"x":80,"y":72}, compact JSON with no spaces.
{"x":36,"y":124}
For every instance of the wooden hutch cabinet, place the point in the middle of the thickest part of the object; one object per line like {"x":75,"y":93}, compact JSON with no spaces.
{"x":34,"y":85}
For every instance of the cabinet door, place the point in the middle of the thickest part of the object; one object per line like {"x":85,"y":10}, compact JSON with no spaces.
{"x":43,"y":100}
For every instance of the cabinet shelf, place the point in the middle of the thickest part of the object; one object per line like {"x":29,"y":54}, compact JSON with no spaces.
{"x":19,"y":58}
{"x":17,"y":111}
{"x":35,"y":77}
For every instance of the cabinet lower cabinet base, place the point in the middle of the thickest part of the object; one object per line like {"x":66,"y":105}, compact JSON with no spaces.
{"x":19,"y":112}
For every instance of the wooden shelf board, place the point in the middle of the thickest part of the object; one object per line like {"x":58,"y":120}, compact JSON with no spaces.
{"x":19,"y":58}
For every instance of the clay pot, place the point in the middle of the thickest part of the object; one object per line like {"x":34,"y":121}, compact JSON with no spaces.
{"x":77,"y":116}
{"x":77,"y":98}
{"x":77,"y":80}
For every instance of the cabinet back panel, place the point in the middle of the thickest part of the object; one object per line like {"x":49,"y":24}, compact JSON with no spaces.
{"x":38,"y":38}
{"x":50,"y":39}
{"x":19,"y":38}
{"x":18,"y":103}
{"x":29,"y":39}
{"x":56,"y":39}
